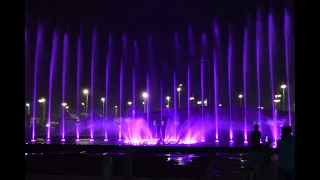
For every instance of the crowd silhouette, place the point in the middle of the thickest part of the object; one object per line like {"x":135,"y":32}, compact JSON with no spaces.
{"x":260,"y":155}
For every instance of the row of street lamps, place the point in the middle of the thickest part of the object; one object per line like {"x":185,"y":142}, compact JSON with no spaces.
{"x":277,"y":101}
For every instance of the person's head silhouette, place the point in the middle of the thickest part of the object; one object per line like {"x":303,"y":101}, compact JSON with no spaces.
{"x":256,"y":127}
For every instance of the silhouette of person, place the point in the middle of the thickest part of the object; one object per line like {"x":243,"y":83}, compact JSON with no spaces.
{"x":255,"y":135}
{"x":286,"y":148}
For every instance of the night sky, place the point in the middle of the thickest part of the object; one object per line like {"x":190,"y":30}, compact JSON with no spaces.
{"x":161,"y":21}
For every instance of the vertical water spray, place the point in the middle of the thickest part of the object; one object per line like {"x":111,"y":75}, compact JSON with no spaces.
{"x":136,"y":62}
{"x":175,"y":103}
{"x":191,"y":55}
{"x":202,"y":61}
{"x":38,"y":54}
{"x":105,"y":128}
{"x":64,"y":73}
{"x":270,"y":46}
{"x":148,"y":78}
{"x":258,"y":59}
{"x":120,"y":103}
{"x":287,"y":34}
{"x":161,"y":109}
{"x":230,"y":83}
{"x":79,"y":61}
{"x":245,"y":60}
{"x":54,"y":52}
{"x":93,"y":57}
{"x":215,"y":82}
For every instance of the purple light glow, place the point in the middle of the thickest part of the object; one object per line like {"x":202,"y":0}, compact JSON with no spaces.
{"x":287,"y":35}
{"x":38,"y":55}
{"x":245,"y":60}
{"x":110,"y":49}
{"x":120,"y":103}
{"x":173,"y":136}
{"x":52,"y":67}
{"x":93,"y":57}
{"x":64,"y":73}
{"x":270,"y":45}
{"x":258,"y":59}
{"x":204,"y":50}
{"x":215,"y":81}
{"x":230,"y":84}
{"x":191,"y":50}
{"x":79,"y":61}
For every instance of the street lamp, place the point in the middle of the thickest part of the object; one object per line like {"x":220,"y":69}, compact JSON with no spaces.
{"x":283,"y":87}
{"x":192,"y":99}
{"x":199,"y":102}
{"x":43,"y":101}
{"x":277,"y":101}
{"x":86,"y":92}
{"x":84,"y":108}
{"x":67,"y":108}
{"x":145,"y":96}
{"x":28,"y":108}
{"x":129,"y":103}
{"x":103,"y":101}
{"x":179,"y":89}
{"x":168,"y":99}
{"x":220,"y":105}
{"x":116,"y":110}
{"x":240,"y":98}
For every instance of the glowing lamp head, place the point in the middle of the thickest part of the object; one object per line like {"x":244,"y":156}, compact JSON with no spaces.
{"x":191,"y":98}
{"x":220,"y":105}
{"x":168,"y":98}
{"x":64,"y":104}
{"x":179,"y":89}
{"x":42,"y":100}
{"x":67,"y":107}
{"x":240,"y":96}
{"x":199,"y":102}
{"x":27,"y":104}
{"x":116,"y":107}
{"x":144,"y":95}
{"x":82,"y":104}
{"x":103,"y":99}
{"x":180,"y":85}
{"x":283,"y":86}
{"x":85,"y":91}
{"x":129,"y":103}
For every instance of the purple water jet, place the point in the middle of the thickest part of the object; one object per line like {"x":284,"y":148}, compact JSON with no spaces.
{"x":79,"y":61}
{"x":174,"y":108}
{"x":54,"y":52}
{"x":110,"y":49}
{"x":204,"y":50}
{"x":245,"y":60}
{"x":64,"y":73}
{"x":287,"y":34}
{"x":270,"y":47}
{"x":258,"y":59}
{"x":215,"y":82}
{"x":136,"y":62}
{"x":191,"y":50}
{"x":38,"y":55}
{"x":230,"y":84}
{"x":93,"y":58}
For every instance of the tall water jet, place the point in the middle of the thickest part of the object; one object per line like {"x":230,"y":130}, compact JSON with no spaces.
{"x":136,"y":62}
{"x":64,"y":73}
{"x":93,"y":57}
{"x":191,"y":55}
{"x":287,"y":35}
{"x":174,"y":105}
{"x":258,"y":59}
{"x":124,"y":49}
{"x":38,"y":56}
{"x":79,"y":61}
{"x":245,"y":60}
{"x":215,"y":81}
{"x":108,"y":59}
{"x":148,"y":78}
{"x":54,"y":52}
{"x":270,"y":47}
{"x":202,"y":61}
{"x":230,"y":83}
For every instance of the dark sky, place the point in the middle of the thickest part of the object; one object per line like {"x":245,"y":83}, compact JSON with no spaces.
{"x":159,"y":20}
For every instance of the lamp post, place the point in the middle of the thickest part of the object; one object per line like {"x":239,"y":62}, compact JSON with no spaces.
{"x":179,"y":90}
{"x":168,"y":99}
{"x":103,"y":101}
{"x":43,"y":102}
{"x":193,"y":101}
{"x":240,"y":99}
{"x":283,"y":87}
{"x":86,"y":92}
{"x":28,"y":108}
{"x":145,"y":96}
{"x":84,"y":107}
